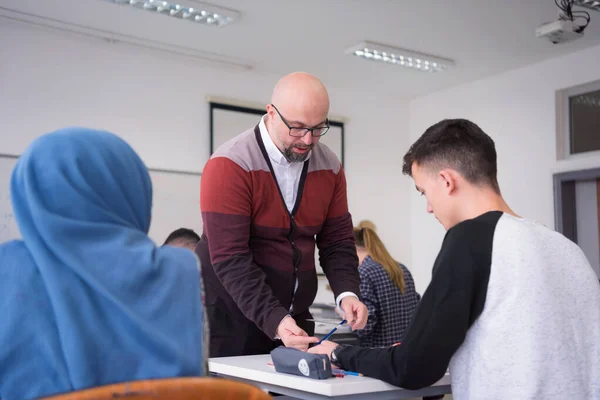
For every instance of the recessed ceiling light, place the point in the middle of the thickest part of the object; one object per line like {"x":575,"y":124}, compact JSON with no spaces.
{"x":203,"y":13}
{"x":401,"y":57}
{"x":591,"y":4}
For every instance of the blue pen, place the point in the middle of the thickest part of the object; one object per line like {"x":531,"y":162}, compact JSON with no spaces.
{"x":332,"y":332}
{"x":344,"y":372}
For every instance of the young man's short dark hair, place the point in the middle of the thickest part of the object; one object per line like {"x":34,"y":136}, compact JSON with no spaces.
{"x":183,"y":237}
{"x":458,"y":144}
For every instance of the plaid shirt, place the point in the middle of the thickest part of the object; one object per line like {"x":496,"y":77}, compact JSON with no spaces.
{"x":390,"y":311}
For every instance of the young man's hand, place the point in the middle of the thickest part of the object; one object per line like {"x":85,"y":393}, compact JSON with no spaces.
{"x":326,"y":347}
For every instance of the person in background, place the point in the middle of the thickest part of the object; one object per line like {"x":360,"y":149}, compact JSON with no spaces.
{"x":183,"y":237}
{"x":369,"y":224}
{"x":365,"y":223}
{"x":512,"y":307}
{"x":268,"y":196}
{"x":86,"y":298}
{"x":387,"y":289}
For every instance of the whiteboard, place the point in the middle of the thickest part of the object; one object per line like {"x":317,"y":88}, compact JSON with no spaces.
{"x":227,"y":124}
{"x":176,"y":202}
{"x":229,"y":121}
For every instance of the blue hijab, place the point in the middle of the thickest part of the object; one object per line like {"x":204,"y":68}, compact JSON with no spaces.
{"x":87,"y":299}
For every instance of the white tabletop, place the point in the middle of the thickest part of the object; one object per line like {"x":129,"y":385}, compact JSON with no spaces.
{"x":257,"y":371}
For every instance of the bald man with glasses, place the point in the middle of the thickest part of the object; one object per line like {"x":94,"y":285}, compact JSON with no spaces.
{"x":268,"y":197}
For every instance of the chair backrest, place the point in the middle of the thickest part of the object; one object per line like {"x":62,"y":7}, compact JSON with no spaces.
{"x":172,"y":389}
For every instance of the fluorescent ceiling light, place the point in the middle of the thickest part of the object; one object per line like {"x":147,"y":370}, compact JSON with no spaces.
{"x":51,"y":24}
{"x":591,"y":4}
{"x":190,"y":10}
{"x":404,"y":58}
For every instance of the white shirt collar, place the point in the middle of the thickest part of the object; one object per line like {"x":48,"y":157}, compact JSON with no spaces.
{"x":272,"y":150}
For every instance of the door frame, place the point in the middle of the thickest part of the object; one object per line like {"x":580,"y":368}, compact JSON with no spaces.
{"x":565,"y":213}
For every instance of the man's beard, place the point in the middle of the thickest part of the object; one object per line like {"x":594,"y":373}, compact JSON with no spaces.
{"x":292,"y":156}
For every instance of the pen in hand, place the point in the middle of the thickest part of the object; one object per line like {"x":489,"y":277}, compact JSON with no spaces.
{"x":331,"y":333}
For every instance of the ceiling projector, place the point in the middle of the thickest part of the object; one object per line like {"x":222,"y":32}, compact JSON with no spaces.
{"x":559,"y":31}
{"x":570,"y":23}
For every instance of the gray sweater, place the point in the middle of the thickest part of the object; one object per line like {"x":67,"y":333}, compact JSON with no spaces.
{"x":513,"y":308}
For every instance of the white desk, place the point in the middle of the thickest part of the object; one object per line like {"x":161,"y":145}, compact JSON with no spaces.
{"x":257,"y":371}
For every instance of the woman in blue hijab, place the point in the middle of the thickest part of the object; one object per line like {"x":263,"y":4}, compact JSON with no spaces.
{"x":86,"y":298}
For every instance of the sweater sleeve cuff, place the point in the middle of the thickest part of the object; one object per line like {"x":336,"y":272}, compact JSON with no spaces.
{"x":277,"y":336}
{"x":273,"y":321}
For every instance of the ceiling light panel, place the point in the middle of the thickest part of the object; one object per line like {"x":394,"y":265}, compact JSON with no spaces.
{"x":203,"y":13}
{"x":400,"y":57}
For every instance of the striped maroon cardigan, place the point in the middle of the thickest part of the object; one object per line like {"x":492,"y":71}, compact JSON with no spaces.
{"x":257,"y":248}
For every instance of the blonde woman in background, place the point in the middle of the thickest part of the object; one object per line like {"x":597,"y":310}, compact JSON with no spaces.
{"x":365,"y":223}
{"x":387,"y":289}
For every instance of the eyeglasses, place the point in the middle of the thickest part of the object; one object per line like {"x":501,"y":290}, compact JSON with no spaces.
{"x":297,"y":131}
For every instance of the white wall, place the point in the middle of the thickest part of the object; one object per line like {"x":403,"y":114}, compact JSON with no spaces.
{"x":586,"y":204}
{"x":156,"y":102}
{"x":518,"y":110}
